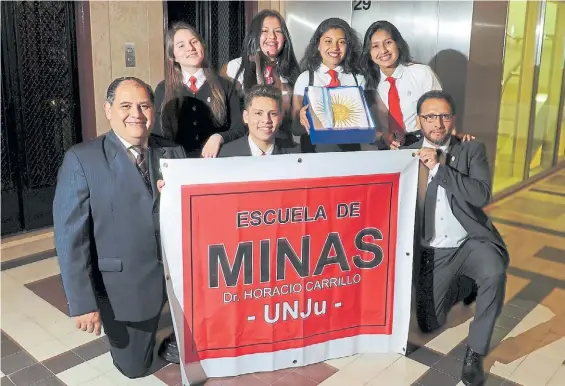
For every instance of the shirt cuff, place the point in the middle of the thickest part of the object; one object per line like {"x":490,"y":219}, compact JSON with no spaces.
{"x":433,"y":170}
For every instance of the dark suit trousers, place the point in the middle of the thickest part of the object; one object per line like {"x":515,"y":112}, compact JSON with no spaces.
{"x":132,"y":344}
{"x":440,"y":268}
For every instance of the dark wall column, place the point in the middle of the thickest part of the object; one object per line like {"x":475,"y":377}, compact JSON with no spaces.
{"x":484,"y":73}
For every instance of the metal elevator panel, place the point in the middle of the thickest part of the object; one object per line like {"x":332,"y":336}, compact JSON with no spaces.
{"x":452,"y":56}
{"x":417,"y":21}
{"x":437,"y":32}
{"x":303,"y":17}
{"x":428,"y":26}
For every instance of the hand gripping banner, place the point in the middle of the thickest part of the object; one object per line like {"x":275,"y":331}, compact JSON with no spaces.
{"x":284,"y":261}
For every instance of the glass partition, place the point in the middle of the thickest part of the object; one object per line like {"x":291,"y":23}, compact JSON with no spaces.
{"x":561,"y":152}
{"x":532,"y":84}
{"x":516,"y":94}
{"x":548,"y":93}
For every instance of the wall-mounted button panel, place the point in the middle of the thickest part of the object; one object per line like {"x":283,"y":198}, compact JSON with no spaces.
{"x":129,"y":49}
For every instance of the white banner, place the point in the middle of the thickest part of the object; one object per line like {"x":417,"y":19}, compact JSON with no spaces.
{"x":289,"y":260}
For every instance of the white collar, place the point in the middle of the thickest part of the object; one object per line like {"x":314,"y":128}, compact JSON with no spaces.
{"x":199,"y":75}
{"x":126,"y":144}
{"x":255,"y":151}
{"x":397,"y":74}
{"x":443,"y":148}
{"x":324,"y":69}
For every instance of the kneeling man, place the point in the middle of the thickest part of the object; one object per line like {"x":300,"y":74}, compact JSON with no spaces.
{"x":456,"y":236}
{"x":106,"y":221}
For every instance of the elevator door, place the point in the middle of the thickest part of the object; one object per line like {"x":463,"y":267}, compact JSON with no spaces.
{"x":40,"y":107}
{"x":221,"y":24}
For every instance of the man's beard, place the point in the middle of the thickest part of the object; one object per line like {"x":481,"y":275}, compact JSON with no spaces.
{"x":439,"y":142}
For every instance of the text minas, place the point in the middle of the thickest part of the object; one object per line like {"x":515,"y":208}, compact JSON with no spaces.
{"x":332,"y":253}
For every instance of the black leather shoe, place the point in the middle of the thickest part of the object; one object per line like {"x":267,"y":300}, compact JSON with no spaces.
{"x":472,"y":297}
{"x":473,"y":372}
{"x":169,"y":350}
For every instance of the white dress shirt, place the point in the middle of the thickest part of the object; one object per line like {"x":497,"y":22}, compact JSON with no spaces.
{"x":255,"y":151}
{"x":412,"y":82}
{"x":233,"y":67}
{"x":449,"y":233}
{"x":322,"y":79}
{"x":199,"y":75}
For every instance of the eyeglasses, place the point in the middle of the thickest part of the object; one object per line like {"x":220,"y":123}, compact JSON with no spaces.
{"x":434,"y":117}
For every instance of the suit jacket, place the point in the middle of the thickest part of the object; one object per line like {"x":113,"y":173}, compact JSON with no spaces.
{"x":106,"y":225}
{"x":466,"y":179}
{"x":187,"y":119}
{"x":240,"y":147}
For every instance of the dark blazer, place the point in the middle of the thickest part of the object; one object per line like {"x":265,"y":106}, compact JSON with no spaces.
{"x":466,"y":179}
{"x":187,"y":119}
{"x":107,"y":228}
{"x":240,"y":147}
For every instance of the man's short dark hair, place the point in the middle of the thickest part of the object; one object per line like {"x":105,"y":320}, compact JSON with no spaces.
{"x":436,"y":94}
{"x":111,"y":93}
{"x":263,"y":91}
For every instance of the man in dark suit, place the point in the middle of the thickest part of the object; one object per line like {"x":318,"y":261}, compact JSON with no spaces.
{"x":455,"y":236}
{"x":106,"y":220}
{"x":263,"y":115}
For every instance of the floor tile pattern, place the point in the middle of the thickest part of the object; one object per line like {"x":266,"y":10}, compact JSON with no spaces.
{"x":41,"y":347}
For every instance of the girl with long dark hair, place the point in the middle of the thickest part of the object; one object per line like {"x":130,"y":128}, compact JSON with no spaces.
{"x":196,"y":108}
{"x":398,"y":83}
{"x":330,"y":60}
{"x":267,"y":57}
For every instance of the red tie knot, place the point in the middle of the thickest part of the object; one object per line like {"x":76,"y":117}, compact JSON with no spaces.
{"x":391,"y":80}
{"x":268,"y":70}
{"x":269,"y":75}
{"x":193,"y":87}
{"x":335,"y":80}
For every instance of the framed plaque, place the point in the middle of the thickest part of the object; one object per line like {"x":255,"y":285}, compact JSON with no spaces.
{"x":339,"y":115}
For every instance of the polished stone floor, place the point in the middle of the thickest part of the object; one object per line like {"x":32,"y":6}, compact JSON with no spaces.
{"x":40,"y":345}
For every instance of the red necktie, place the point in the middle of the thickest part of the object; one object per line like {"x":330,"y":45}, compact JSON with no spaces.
{"x":192,"y":86}
{"x":335,"y":81}
{"x":395,"y":119}
{"x":269,"y":75}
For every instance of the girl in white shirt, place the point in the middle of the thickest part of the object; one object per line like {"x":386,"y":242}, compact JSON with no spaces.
{"x":267,"y":46}
{"x":389,"y":69}
{"x":268,"y":36}
{"x":331,"y":60}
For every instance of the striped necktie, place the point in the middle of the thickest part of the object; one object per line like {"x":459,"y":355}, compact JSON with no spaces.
{"x":142,"y":165}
